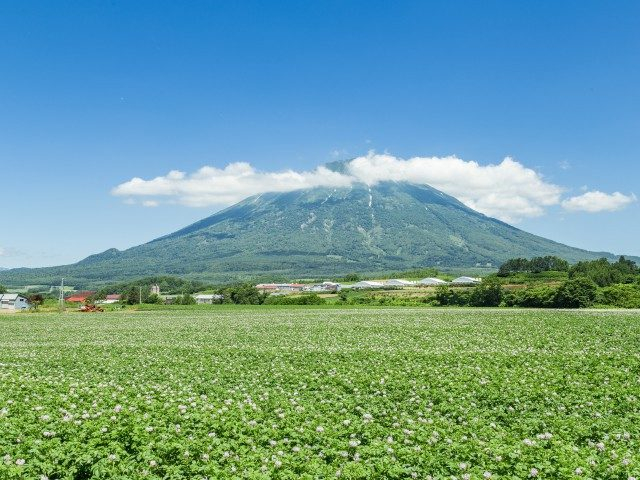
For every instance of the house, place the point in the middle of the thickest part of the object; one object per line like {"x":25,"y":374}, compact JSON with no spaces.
{"x":208,"y":298}
{"x":431,"y":281}
{"x":79,"y":297}
{"x":367,"y":284}
{"x":397,"y":282}
{"x":466,"y":281}
{"x":155,"y":289}
{"x":13,"y":301}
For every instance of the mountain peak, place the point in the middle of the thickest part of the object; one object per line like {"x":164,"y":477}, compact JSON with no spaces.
{"x":322,"y":231}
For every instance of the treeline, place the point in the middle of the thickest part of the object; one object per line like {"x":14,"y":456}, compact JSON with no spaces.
{"x":602,"y":272}
{"x":534,"y":265}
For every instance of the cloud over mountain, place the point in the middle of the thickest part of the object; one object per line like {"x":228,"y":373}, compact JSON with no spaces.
{"x":508,"y":190}
{"x":596,"y":201}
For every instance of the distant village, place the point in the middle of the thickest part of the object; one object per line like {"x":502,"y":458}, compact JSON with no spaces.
{"x":16,"y":301}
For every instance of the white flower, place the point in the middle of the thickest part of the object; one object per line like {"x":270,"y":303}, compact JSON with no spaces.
{"x":20,"y":461}
{"x":528,"y":442}
{"x":149,"y":429}
{"x":367,"y":417}
{"x":112,"y":457}
{"x":354,"y":443}
{"x":463,"y":466}
{"x":117,"y":408}
{"x":205,"y":457}
{"x":600,"y":446}
{"x":319,"y":429}
{"x":533,"y":472}
{"x":153,"y":463}
{"x":486,"y":474}
{"x":578,"y":471}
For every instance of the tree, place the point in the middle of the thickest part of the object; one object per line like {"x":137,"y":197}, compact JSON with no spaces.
{"x":244,"y":294}
{"x":486,"y":294}
{"x":186,"y":299}
{"x":576,"y":293}
{"x":155,"y":298}
{"x":35,"y":300}
{"x":351,"y":277}
{"x":3,"y":289}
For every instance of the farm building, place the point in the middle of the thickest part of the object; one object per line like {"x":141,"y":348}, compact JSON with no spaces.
{"x":431,"y":281}
{"x":326,"y":287}
{"x":397,"y":282}
{"x":13,"y":301}
{"x":208,"y":298}
{"x":280,"y":287}
{"x":111,"y":298}
{"x":367,"y":284}
{"x":465,"y":281}
{"x":79,"y":297}
{"x":267,"y":287}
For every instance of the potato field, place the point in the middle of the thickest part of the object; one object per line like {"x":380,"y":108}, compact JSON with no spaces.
{"x":292,"y":393}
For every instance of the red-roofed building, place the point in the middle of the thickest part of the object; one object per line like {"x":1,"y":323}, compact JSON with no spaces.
{"x":79,"y":297}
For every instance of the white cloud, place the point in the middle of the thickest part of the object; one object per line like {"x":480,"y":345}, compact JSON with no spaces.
{"x":215,"y":186}
{"x":2,"y":251}
{"x":507,"y":190}
{"x":150,"y":203}
{"x":597,"y":201}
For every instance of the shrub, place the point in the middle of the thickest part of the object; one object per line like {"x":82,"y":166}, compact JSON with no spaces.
{"x":312,"y":299}
{"x":623,"y":296}
{"x":486,"y":294}
{"x":576,"y":293}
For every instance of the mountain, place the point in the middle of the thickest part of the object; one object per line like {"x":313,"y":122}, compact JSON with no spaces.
{"x":317,"y":232}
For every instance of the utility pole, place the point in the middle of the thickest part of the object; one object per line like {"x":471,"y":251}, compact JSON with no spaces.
{"x":61,"y":296}
{"x":140,"y":295}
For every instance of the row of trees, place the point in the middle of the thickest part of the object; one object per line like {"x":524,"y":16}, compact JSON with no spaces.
{"x":605,"y":273}
{"x":534,"y":265}
{"x":574,"y":293}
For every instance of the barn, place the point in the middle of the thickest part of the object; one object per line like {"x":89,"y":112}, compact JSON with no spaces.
{"x":13,"y":301}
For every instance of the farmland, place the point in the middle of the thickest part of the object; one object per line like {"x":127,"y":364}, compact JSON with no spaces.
{"x":234,"y":392}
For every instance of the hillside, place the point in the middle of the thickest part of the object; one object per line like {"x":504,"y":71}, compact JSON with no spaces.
{"x":317,"y":232}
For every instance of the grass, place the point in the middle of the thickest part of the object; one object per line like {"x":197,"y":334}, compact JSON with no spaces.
{"x":255,"y":392}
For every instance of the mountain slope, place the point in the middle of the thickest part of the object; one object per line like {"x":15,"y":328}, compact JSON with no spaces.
{"x":316,"y":232}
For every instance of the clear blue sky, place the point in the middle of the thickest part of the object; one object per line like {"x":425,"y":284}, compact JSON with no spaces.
{"x":93,"y":93}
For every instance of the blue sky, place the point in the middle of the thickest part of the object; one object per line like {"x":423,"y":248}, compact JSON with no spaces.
{"x":93,"y":94}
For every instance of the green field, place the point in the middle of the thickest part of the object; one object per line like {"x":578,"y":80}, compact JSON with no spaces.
{"x":321,"y":393}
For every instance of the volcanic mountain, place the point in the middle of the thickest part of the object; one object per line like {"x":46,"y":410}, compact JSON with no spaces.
{"x":318,"y":232}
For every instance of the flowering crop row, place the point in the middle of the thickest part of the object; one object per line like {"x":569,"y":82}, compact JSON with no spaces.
{"x":308,"y":393}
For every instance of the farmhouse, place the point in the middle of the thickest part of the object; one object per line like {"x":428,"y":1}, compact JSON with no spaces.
{"x":13,"y":301}
{"x":208,"y":298}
